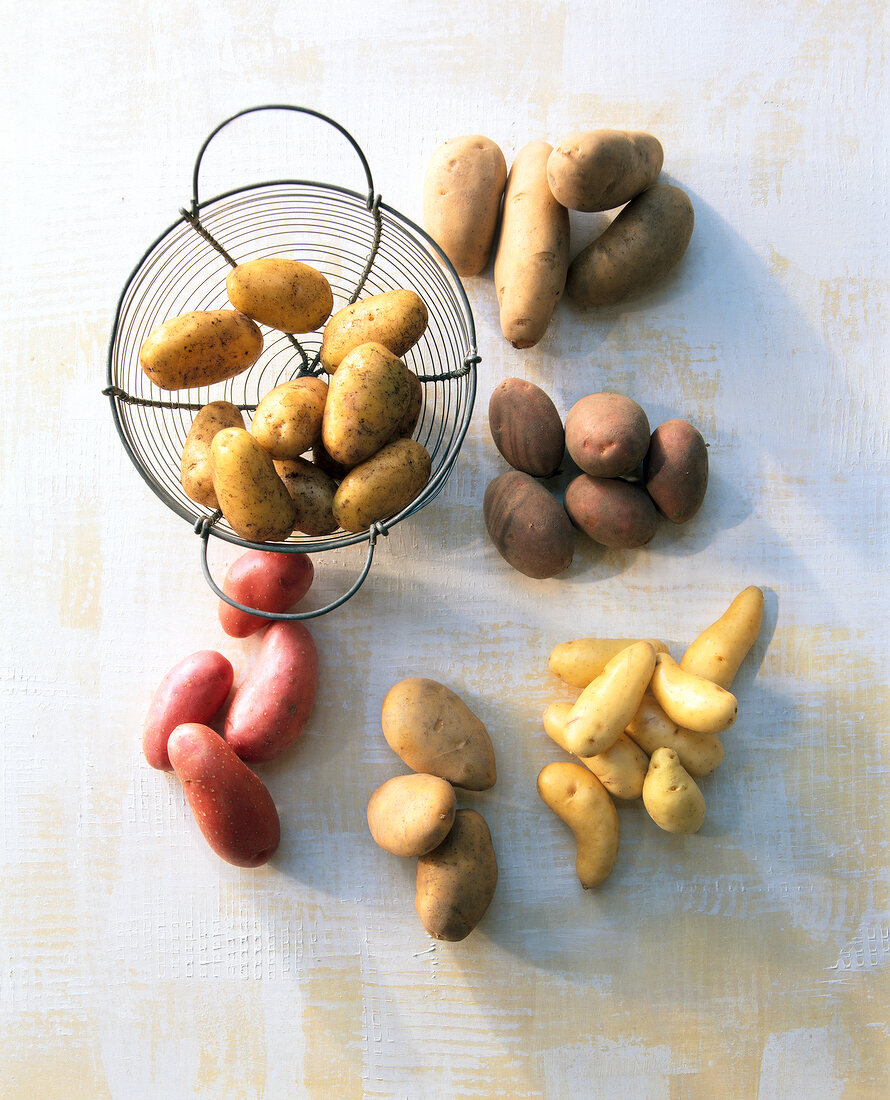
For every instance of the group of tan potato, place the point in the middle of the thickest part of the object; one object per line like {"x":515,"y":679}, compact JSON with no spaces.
{"x":643,"y":725}
{"x":319,"y":454}
{"x":473,"y":208}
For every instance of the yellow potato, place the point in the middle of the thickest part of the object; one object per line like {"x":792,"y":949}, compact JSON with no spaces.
{"x":456,"y":881}
{"x":581,"y":660}
{"x":462,"y":191}
{"x":394,"y":318}
{"x":671,"y":796}
{"x":196,"y":473}
{"x":603,"y":169}
{"x":577,"y":796}
{"x":251,"y":495}
{"x":287,"y":422}
{"x":718,"y":651}
{"x":651,"y":729}
{"x":382,"y":485}
{"x":410,"y":815}
{"x":312,"y":492}
{"x":609,"y":702}
{"x":200,"y":348}
{"x":692,"y":701}
{"x":367,"y":399}
{"x":284,"y":294}
{"x":621,"y":769}
{"x":532,"y":253}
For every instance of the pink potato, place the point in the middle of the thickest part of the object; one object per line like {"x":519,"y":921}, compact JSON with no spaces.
{"x":231,"y":805}
{"x":270,"y":707}
{"x":266,"y":580}
{"x":192,"y":691}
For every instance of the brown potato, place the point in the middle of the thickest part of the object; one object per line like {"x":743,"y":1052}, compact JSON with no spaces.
{"x":602,"y":169}
{"x":312,"y":492}
{"x":405,"y":427}
{"x":675,"y":470}
{"x":607,"y":434}
{"x":528,"y":526}
{"x":395,"y":318}
{"x":612,"y":512}
{"x":251,"y":495}
{"x":284,"y":294}
{"x":382,"y":485}
{"x":456,"y":881}
{"x":462,"y":191}
{"x":287,"y":422}
{"x":196,"y":473}
{"x":526,"y":427}
{"x":644,"y":242}
{"x":434,"y":732}
{"x":409,"y":815}
{"x":200,"y":348}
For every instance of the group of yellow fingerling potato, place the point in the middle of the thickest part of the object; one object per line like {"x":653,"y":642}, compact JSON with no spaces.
{"x":416,"y":815}
{"x":475,"y":209}
{"x":643,"y":726}
{"x":319,"y":454}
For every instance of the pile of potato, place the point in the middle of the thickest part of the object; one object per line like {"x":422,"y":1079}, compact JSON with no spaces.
{"x":473,"y":208}
{"x":643,"y":726}
{"x":318,"y":455}
{"x":446,"y":745}
{"x":628,"y":477}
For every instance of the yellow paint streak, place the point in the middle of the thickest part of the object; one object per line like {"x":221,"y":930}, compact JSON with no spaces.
{"x":333,"y":1029}
{"x":80,"y":565}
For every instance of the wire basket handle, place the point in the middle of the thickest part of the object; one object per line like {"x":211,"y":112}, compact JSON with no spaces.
{"x":371,"y":199}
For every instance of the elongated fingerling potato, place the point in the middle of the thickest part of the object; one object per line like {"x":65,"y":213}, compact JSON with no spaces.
{"x":577,"y":796}
{"x":581,"y":660}
{"x":691,"y":700}
{"x":718,"y":652}
{"x":621,"y":769}
{"x":651,"y":729}
{"x":604,"y":708}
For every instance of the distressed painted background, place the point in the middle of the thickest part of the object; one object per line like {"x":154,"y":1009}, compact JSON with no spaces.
{"x":750,"y":960}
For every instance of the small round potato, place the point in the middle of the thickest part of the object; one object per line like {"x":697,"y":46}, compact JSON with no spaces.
{"x":284,"y":294}
{"x":382,"y":485}
{"x":200,"y":348}
{"x":287,"y":422}
{"x":611,"y":511}
{"x":456,"y":881}
{"x":251,"y":495}
{"x":607,"y":434}
{"x":603,"y":169}
{"x":409,"y":815}
{"x":526,"y":427}
{"x":312,"y":492}
{"x":196,"y":473}
{"x":529,"y":528}
{"x":675,"y":470}
{"x":394,"y":318}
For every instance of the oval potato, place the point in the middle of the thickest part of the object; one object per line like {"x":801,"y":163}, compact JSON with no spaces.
{"x":382,"y":485}
{"x":528,"y":526}
{"x":196,"y":470}
{"x":612,"y":512}
{"x":456,"y":881}
{"x":312,"y":491}
{"x":675,"y":470}
{"x":200,"y":348}
{"x":282,"y":293}
{"x":526,"y":427}
{"x":287,"y":421}
{"x":651,"y":729}
{"x":394,"y":318}
{"x":251,"y":495}
{"x":265,"y":581}
{"x":409,"y":815}
{"x":607,"y":434}
{"x":671,"y":796}
{"x":602,"y":169}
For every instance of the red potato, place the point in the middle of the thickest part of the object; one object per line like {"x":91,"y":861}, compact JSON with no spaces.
{"x":270,"y":708}
{"x":192,"y":691}
{"x":231,"y":805}
{"x":266,"y":580}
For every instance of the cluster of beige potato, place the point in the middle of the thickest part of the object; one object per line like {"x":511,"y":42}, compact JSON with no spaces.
{"x":364,"y":466}
{"x":643,"y":725}
{"x":446,"y":745}
{"x":474,"y":208}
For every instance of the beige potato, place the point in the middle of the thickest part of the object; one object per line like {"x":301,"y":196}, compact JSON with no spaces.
{"x":394,"y":318}
{"x":532,"y":253}
{"x":405,"y":427}
{"x":367,"y":399}
{"x":608,"y":703}
{"x":641,"y":246}
{"x":287,"y":421}
{"x":462,"y":191}
{"x":603,"y":169}
{"x":200,"y":348}
{"x":582,"y":802}
{"x":457,"y":880}
{"x":284,"y":294}
{"x":690,"y":700}
{"x":434,"y":732}
{"x":671,"y":796}
{"x":196,"y":473}
{"x":251,"y":495}
{"x":717,"y":652}
{"x":382,"y":485}
{"x":621,"y":769}
{"x":581,"y":660}
{"x":312,"y":492}
{"x":409,"y":815}
{"x":651,"y":729}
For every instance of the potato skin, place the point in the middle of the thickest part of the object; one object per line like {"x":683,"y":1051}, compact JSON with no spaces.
{"x":675,"y":470}
{"x":200,"y":348}
{"x":434,"y":732}
{"x":579,"y":798}
{"x":602,"y":169}
{"x":718,"y":652}
{"x":462,"y":191}
{"x":312,"y":491}
{"x":287,"y":421}
{"x":193,"y":690}
{"x":607,"y":434}
{"x":409,"y":815}
{"x":532,"y":253}
{"x":196,"y":471}
{"x":267,"y":581}
{"x":529,"y":528}
{"x":612,"y":512}
{"x":231,"y":805}
{"x":526,"y":427}
{"x":671,"y":796}
{"x":284,"y":294}
{"x":382,"y":485}
{"x":644,"y":242}
{"x":251,"y":495}
{"x":394,"y":318}
{"x":457,"y":880}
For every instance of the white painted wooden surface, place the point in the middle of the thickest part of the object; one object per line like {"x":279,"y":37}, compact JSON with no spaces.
{"x":748,"y":961}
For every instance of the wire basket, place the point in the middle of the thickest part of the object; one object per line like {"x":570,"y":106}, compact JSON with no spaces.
{"x":363,"y":247}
